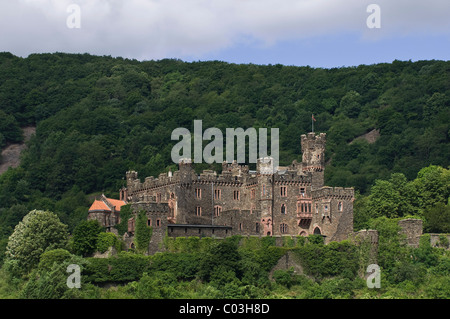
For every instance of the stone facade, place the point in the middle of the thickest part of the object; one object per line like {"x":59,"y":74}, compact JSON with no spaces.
{"x":412,"y":229}
{"x":269,"y":201}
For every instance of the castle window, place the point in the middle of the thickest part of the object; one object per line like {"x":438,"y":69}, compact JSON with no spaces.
{"x":283,"y":191}
{"x":158,"y":197}
{"x":283,"y":209}
{"x":158,"y":223}
{"x":325,"y":207}
{"x":309,"y":208}
{"x":217,"y":210}
{"x":264,"y":190}
{"x":302,"y":191}
{"x":317,"y":209}
{"x":217,"y":194}
{"x":283,"y":228}
{"x":257,"y":228}
{"x":252,"y":194}
{"x":198,"y":211}
{"x":198,"y":193}
{"x":340,"y":206}
{"x":240,"y":226}
{"x":236,"y":195}
{"x":149,"y":222}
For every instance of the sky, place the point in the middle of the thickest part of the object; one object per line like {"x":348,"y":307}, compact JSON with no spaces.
{"x":318,"y":33}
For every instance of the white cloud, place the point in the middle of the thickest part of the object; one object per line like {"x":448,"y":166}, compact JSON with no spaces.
{"x":153,"y":29}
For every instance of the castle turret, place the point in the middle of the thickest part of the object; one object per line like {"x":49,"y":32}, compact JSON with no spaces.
{"x":313,"y":158}
{"x":131,"y":178}
{"x":265,"y":171}
{"x":186,"y":170}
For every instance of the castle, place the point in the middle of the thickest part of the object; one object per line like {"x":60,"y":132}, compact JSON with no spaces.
{"x":270,"y":201}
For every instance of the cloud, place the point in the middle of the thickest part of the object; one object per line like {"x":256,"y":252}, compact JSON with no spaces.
{"x":154,"y":29}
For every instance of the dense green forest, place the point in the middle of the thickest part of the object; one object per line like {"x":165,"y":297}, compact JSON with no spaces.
{"x":97,"y":117}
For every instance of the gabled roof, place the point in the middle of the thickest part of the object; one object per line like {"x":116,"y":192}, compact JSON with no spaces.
{"x":117,"y":203}
{"x":99,"y":205}
{"x":105,"y":203}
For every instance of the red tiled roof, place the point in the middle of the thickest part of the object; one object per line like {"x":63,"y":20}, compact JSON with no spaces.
{"x":117,"y":203}
{"x":99,"y":205}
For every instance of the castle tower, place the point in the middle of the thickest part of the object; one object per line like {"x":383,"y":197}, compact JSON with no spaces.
{"x":313,"y":157}
{"x":265,"y":170}
{"x":132,"y":178}
{"x":332,"y":214}
{"x":186,"y":170}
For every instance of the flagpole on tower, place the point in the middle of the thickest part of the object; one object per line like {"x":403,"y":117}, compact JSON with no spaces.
{"x":312,"y":122}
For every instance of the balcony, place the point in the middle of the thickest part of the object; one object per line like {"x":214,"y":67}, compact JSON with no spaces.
{"x":304,"y":215}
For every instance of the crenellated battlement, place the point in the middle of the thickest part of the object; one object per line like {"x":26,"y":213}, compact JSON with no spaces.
{"x":150,"y":207}
{"x":327,"y":192}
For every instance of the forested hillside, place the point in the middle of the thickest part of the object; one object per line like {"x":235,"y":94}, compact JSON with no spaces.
{"x":97,"y":117}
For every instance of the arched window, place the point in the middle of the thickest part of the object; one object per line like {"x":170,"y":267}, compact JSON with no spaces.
{"x":283,"y":209}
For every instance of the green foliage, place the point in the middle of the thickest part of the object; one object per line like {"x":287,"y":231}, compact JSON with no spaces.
{"x":316,"y":239}
{"x":51,"y":283}
{"x":437,"y":219}
{"x":427,"y":195}
{"x":335,"y":259}
{"x":37,"y":232}
{"x":9,"y":129}
{"x":392,"y":248}
{"x":125,"y":214}
{"x":85,"y":236}
{"x":51,"y":257}
{"x":156,"y":286}
{"x":121,"y":268}
{"x":143,"y":233}
{"x":224,"y":255}
{"x":107,"y":240}
{"x":184,"y":266}
{"x":98,"y":117}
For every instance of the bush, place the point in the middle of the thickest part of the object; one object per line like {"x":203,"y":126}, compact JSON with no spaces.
{"x":51,"y":283}
{"x":85,"y":235}
{"x":37,"y":232}
{"x":51,"y":257}
{"x":106,"y":240}
{"x":160,"y":285}
{"x":121,"y":268}
{"x":183,"y":265}
{"x":224,"y":254}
